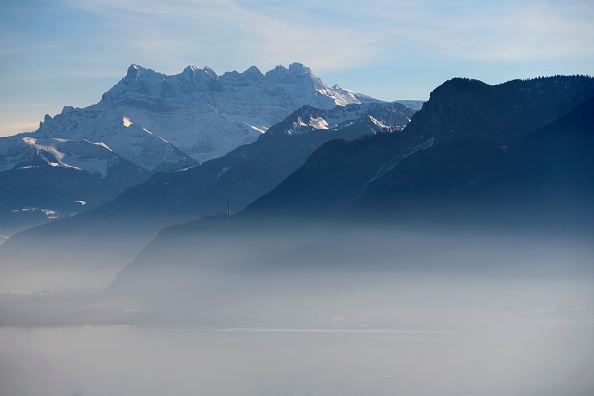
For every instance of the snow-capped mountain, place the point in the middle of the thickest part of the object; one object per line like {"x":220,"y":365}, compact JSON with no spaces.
{"x":206,"y":115}
{"x":154,"y":122}
{"x":162,"y":122}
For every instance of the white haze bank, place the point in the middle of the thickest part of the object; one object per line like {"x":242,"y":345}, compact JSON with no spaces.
{"x":336,"y":311}
{"x":451,"y":351}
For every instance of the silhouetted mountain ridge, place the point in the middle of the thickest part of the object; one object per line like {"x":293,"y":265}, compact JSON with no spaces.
{"x":550,"y":172}
{"x":338,"y":174}
{"x":501,"y":113}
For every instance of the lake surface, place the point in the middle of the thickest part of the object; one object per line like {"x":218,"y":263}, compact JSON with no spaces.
{"x":539,"y":354}
{"x":496,"y":318}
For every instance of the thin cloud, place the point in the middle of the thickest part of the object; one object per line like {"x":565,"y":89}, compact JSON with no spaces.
{"x":174,"y":30}
{"x":329,"y":37}
{"x":507,"y":32}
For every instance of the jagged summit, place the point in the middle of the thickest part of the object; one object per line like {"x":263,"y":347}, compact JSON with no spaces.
{"x":191,"y":69}
{"x":194,"y":72}
{"x":136,"y":72}
{"x":299,"y":68}
{"x":253,"y":71}
{"x":160,"y":121}
{"x":221,"y":111}
{"x":133,"y":72}
{"x":295,"y":70}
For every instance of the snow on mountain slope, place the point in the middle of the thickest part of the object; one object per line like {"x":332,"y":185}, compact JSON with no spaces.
{"x":97,"y":124}
{"x":162,"y":122}
{"x":77,"y":154}
{"x":81,"y":155}
{"x":308,"y":118}
{"x":206,"y":115}
{"x":14,"y":151}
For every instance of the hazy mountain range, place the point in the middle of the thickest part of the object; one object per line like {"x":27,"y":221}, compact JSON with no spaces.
{"x":148,"y":122}
{"x":514,"y":158}
{"x":515,"y":151}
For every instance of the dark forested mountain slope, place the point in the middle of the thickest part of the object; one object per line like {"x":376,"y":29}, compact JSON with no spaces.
{"x":479,"y":122}
{"x":550,"y":172}
{"x":501,"y":113}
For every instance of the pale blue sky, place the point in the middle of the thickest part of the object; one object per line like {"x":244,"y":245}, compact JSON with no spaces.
{"x":68,"y":52}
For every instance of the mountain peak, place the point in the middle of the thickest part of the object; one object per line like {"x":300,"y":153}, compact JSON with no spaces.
{"x":294,"y":70}
{"x":299,"y":68}
{"x":194,"y":71}
{"x":277,"y":71}
{"x":253,"y":71}
{"x":190,"y":69}
{"x":202,"y":102}
{"x":134,"y":71}
{"x":208,"y":70}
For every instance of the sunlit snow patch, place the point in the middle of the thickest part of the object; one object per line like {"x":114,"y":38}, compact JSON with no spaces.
{"x":318,"y":123}
{"x":105,"y":146}
{"x":150,"y":133}
{"x":29,"y":140}
{"x":377,"y":122}
{"x":260,"y":129}
{"x":25,"y":210}
{"x":49,"y":214}
{"x":340,"y":95}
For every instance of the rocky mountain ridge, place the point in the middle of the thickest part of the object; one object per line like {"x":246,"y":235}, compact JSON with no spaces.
{"x":153,"y":122}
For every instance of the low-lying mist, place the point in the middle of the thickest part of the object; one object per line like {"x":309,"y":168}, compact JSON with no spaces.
{"x":316,"y":308}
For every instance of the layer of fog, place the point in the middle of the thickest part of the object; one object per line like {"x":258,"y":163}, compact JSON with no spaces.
{"x":310,"y":309}
{"x":542,"y":354}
